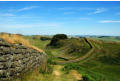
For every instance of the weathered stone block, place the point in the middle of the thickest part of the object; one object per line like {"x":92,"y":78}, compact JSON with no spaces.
{"x":15,"y":57}
{"x":15,"y":64}
{"x":4,"y":65}
{"x":4,"y":44}
{"x":11,"y":72}
{"x":3,"y":73}
{"x":3,"y":59}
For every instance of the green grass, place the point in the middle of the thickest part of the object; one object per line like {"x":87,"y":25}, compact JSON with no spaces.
{"x":70,"y":48}
{"x":103,"y":65}
{"x":35,"y":75}
{"x":105,"y":62}
{"x":92,"y":75}
{"x":37,"y":42}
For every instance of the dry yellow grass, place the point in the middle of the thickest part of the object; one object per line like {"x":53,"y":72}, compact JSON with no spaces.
{"x":15,"y":39}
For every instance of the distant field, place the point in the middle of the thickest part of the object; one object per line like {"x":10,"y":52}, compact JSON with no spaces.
{"x":111,"y":38}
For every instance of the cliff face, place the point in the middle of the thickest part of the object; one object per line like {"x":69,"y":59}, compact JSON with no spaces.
{"x":16,"y":59}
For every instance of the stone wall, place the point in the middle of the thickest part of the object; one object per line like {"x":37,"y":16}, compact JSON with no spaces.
{"x":16,"y":59}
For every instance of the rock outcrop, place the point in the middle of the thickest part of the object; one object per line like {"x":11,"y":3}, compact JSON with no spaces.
{"x":16,"y":59}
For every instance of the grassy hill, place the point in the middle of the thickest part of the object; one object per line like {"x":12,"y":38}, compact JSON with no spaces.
{"x":101,"y":65}
{"x":70,"y":49}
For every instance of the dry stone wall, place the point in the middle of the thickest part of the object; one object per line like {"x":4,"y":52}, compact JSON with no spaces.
{"x":16,"y":59}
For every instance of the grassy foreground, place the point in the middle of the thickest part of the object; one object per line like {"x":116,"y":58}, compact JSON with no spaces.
{"x":102,"y":65}
{"x":57,"y":75}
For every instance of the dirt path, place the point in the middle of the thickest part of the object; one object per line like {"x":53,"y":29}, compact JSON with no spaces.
{"x":76,"y":75}
{"x":59,"y":75}
{"x":83,"y":57}
{"x":57,"y":69}
{"x":73,"y":75}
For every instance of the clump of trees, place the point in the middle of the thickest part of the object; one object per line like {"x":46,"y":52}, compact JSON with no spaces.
{"x":54,"y":41}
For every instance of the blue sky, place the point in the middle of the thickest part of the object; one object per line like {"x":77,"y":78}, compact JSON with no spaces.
{"x":52,"y":17}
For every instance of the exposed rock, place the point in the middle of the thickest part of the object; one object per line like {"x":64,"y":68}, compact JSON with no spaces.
{"x":16,"y":59}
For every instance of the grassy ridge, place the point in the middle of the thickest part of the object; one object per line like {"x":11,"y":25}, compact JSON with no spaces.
{"x":103,"y":65}
{"x":70,"y":49}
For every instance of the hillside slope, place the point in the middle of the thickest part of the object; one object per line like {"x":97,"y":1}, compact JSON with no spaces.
{"x":101,"y":65}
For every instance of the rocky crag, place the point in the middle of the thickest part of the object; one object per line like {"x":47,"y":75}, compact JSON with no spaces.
{"x":16,"y":59}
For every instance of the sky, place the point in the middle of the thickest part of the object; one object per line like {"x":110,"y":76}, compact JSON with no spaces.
{"x":53,"y":17}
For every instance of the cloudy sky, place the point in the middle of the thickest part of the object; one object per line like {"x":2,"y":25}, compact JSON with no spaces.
{"x":73,"y":18}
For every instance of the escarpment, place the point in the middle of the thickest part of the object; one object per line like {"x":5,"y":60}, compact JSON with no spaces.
{"x":16,"y":59}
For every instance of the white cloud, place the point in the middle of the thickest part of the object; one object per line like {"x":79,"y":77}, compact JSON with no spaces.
{"x":6,"y":14}
{"x":109,"y":21}
{"x":27,"y":8}
{"x":98,"y":11}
